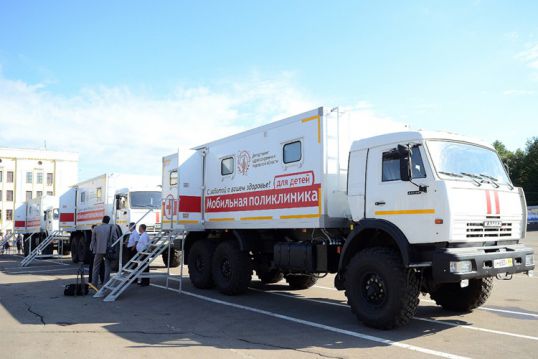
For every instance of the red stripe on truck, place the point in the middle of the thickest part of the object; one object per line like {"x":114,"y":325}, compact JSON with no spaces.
{"x":20,"y":224}
{"x":295,"y":197}
{"x":191,"y":204}
{"x":497,"y":203}
{"x":488,"y":202}
{"x":67,"y":217}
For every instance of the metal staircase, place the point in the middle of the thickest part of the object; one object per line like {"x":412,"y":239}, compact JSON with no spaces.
{"x":5,"y":240}
{"x":134,"y":269}
{"x":37,"y":251}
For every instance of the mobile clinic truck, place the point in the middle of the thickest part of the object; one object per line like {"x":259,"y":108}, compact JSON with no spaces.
{"x":392,"y":215}
{"x":38,"y":218}
{"x":124,"y":198}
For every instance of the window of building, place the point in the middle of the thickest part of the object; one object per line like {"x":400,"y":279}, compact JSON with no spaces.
{"x":50,"y":179}
{"x":50,"y":193}
{"x":39,"y":178}
{"x":39,"y":194}
{"x":227,"y":166}
{"x":9,"y":176}
{"x":292,"y":152}
{"x":9,"y":214}
{"x":9,"y":195}
{"x":29,"y":177}
{"x":28,"y":195}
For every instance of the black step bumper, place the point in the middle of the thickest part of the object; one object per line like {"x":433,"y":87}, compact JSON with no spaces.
{"x":482,"y":259}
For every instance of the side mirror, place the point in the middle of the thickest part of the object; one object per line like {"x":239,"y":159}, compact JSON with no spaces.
{"x":405,"y":162}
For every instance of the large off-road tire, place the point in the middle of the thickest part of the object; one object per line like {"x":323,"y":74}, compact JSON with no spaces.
{"x":300,"y":281}
{"x":270,"y":276}
{"x":175,"y":258}
{"x":231,"y":268}
{"x":452,"y":296}
{"x":199,"y":262}
{"x":381,"y":292}
{"x":48,"y":250}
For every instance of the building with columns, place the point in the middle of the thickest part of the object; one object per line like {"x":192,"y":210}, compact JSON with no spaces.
{"x":27,"y":173}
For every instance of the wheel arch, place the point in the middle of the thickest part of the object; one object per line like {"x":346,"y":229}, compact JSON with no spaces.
{"x":370,"y":233}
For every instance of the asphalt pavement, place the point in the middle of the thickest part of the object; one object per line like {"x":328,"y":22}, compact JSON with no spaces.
{"x":37,"y":321}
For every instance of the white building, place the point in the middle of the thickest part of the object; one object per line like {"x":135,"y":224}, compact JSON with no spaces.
{"x":26,"y":174}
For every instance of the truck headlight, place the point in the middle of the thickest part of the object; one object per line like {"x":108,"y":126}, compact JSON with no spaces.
{"x":461,"y":267}
{"x":529,"y":260}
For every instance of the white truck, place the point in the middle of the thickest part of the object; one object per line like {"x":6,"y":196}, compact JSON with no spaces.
{"x":124,"y":198}
{"x":391,"y":215}
{"x":40,"y":217}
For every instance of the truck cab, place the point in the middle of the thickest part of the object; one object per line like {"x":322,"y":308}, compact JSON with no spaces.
{"x":138,"y":205}
{"x":448,"y":196}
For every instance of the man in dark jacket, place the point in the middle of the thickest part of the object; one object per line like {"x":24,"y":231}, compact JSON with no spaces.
{"x":102,"y":237}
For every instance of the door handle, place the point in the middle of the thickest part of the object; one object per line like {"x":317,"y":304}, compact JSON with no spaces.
{"x":382,"y":203}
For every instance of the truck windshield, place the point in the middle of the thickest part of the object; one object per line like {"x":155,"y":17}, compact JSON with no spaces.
{"x":456,"y":160}
{"x":145,"y":199}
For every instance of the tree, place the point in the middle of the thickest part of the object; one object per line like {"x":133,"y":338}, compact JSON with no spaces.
{"x":523,"y":167}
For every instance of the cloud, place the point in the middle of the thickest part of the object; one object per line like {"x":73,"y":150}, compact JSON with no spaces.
{"x":115,"y":129}
{"x":529,"y":56}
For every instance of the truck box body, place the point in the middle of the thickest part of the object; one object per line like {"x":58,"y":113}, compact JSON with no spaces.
{"x":87,"y":202}
{"x":37,"y":215}
{"x":288,"y":174}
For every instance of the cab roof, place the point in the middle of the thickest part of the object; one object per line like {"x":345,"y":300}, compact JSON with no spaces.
{"x":405,"y":137}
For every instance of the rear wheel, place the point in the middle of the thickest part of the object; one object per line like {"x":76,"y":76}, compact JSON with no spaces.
{"x":232,"y":268}
{"x":300,"y":281}
{"x":175,"y":258}
{"x":74,"y":248}
{"x":199,"y":261}
{"x":452,"y":296}
{"x":381,"y":292}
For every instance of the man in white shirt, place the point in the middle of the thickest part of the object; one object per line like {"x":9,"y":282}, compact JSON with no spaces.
{"x":133,"y":239}
{"x":141,"y":245}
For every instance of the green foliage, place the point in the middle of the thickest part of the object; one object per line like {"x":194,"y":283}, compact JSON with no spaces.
{"x":523,"y":167}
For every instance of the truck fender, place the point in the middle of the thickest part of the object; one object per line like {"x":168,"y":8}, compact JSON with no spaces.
{"x":392,"y":235}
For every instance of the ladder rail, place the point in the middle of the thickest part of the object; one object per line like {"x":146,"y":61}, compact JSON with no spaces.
{"x":39,"y":249}
{"x":133,"y":269}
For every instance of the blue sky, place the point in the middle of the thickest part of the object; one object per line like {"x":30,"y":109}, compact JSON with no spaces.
{"x":153,"y":70}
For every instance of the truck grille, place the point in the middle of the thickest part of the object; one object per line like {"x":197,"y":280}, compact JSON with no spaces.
{"x":478,"y":230}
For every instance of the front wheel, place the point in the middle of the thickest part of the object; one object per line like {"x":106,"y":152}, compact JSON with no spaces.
{"x":452,"y":296}
{"x":381,"y":292}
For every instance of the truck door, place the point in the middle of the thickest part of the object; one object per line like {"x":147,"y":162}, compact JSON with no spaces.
{"x":399,"y":202}
{"x":191,"y":191}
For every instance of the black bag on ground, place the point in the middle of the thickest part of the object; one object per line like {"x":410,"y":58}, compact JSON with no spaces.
{"x":80,"y":287}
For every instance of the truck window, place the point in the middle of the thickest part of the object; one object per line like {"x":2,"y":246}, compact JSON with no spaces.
{"x":173,"y":178}
{"x":391,"y":165}
{"x":292,"y":152}
{"x":83,"y":197}
{"x":99,"y":194}
{"x":227,"y":166}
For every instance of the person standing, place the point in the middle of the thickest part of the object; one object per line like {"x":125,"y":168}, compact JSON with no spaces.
{"x":19,"y":243}
{"x":141,"y":245}
{"x":133,"y":239}
{"x":102,"y":237}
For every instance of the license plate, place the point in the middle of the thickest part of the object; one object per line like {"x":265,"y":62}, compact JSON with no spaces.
{"x":494,"y":224}
{"x":503,"y":263}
